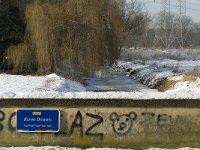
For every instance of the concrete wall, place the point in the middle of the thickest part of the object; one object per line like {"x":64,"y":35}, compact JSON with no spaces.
{"x":126,"y":127}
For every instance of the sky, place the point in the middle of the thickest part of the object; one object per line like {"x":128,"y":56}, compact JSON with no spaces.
{"x":193,"y":7}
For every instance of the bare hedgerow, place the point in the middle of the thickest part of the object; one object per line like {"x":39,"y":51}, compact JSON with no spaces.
{"x":85,"y":33}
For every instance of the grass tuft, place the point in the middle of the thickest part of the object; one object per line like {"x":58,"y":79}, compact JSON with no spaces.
{"x":166,"y":84}
{"x":191,"y":76}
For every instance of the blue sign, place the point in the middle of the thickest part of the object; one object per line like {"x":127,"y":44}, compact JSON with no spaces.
{"x":38,"y":121}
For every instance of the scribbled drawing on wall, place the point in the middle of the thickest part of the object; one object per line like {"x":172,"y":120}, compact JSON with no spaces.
{"x":122,"y":124}
{"x":2,"y":117}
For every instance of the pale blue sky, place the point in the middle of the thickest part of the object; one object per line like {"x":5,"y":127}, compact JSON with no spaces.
{"x":193,"y":7}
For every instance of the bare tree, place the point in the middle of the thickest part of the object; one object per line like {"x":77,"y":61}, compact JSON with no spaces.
{"x":134,"y":21}
{"x":140,"y":28}
{"x":173,"y":35}
{"x":188,"y":26}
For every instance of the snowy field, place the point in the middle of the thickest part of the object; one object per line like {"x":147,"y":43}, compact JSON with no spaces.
{"x":63,"y":148}
{"x":155,"y":54}
{"x":19,"y":86}
{"x":53,"y":86}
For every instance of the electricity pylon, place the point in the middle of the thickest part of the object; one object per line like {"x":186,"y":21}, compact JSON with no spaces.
{"x":181,"y":10}
{"x":161,"y":32}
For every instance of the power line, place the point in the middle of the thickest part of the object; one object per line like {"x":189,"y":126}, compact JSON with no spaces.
{"x":174,"y":6}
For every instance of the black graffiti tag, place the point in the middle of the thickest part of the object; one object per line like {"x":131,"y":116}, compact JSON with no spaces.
{"x":77,"y":124}
{"x":10,"y":125}
{"x":2,"y":117}
{"x":100,"y":120}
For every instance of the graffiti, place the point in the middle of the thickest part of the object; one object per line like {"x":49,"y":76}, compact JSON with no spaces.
{"x":10,"y":124}
{"x":148,"y":114}
{"x":97,"y":125}
{"x":147,"y":121}
{"x":156,"y":120}
{"x":122,"y":124}
{"x":127,"y":127}
{"x":2,"y":117}
{"x":89,"y":130}
{"x":77,"y":123}
{"x":163,"y":119}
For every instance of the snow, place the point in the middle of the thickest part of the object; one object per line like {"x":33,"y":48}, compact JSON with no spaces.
{"x":65,"y":148}
{"x":176,"y":66}
{"x":152,"y":72}
{"x":18,"y":85}
{"x":156,"y":54}
{"x":53,"y":86}
{"x":149,"y":74}
{"x":185,"y":86}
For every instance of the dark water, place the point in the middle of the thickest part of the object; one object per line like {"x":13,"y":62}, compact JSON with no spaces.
{"x":114,"y":81}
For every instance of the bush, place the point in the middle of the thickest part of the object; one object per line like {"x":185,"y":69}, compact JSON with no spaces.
{"x":192,"y":76}
{"x":166,"y":84}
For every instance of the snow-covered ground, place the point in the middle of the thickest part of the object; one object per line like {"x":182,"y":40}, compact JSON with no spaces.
{"x":41,"y":86}
{"x":174,"y":65}
{"x":53,"y":86}
{"x":183,"y":86}
{"x":151,"y":67}
{"x":64,"y":148}
{"x":156,"y":54}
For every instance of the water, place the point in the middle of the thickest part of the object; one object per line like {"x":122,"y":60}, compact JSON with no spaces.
{"x":114,"y":81}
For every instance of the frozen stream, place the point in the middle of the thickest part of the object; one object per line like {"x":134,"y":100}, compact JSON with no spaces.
{"x":115,"y":81}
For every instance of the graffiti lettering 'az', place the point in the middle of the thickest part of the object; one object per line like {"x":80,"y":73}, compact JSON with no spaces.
{"x":78,"y":123}
{"x":2,"y":117}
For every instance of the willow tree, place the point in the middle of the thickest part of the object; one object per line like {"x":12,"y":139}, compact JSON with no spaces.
{"x":81,"y":34}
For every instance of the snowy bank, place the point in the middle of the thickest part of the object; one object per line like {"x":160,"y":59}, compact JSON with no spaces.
{"x":153,"y":73}
{"x":17,"y":85}
{"x":184,"y":86}
{"x":148,"y":74}
{"x":53,"y":86}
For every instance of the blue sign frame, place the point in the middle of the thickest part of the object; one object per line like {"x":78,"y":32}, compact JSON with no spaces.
{"x":38,"y":121}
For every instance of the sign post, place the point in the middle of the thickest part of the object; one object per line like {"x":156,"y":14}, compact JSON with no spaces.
{"x":38,"y":121}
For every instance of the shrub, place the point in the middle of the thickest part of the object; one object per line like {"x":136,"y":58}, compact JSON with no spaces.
{"x":192,"y":76}
{"x":166,"y":84}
